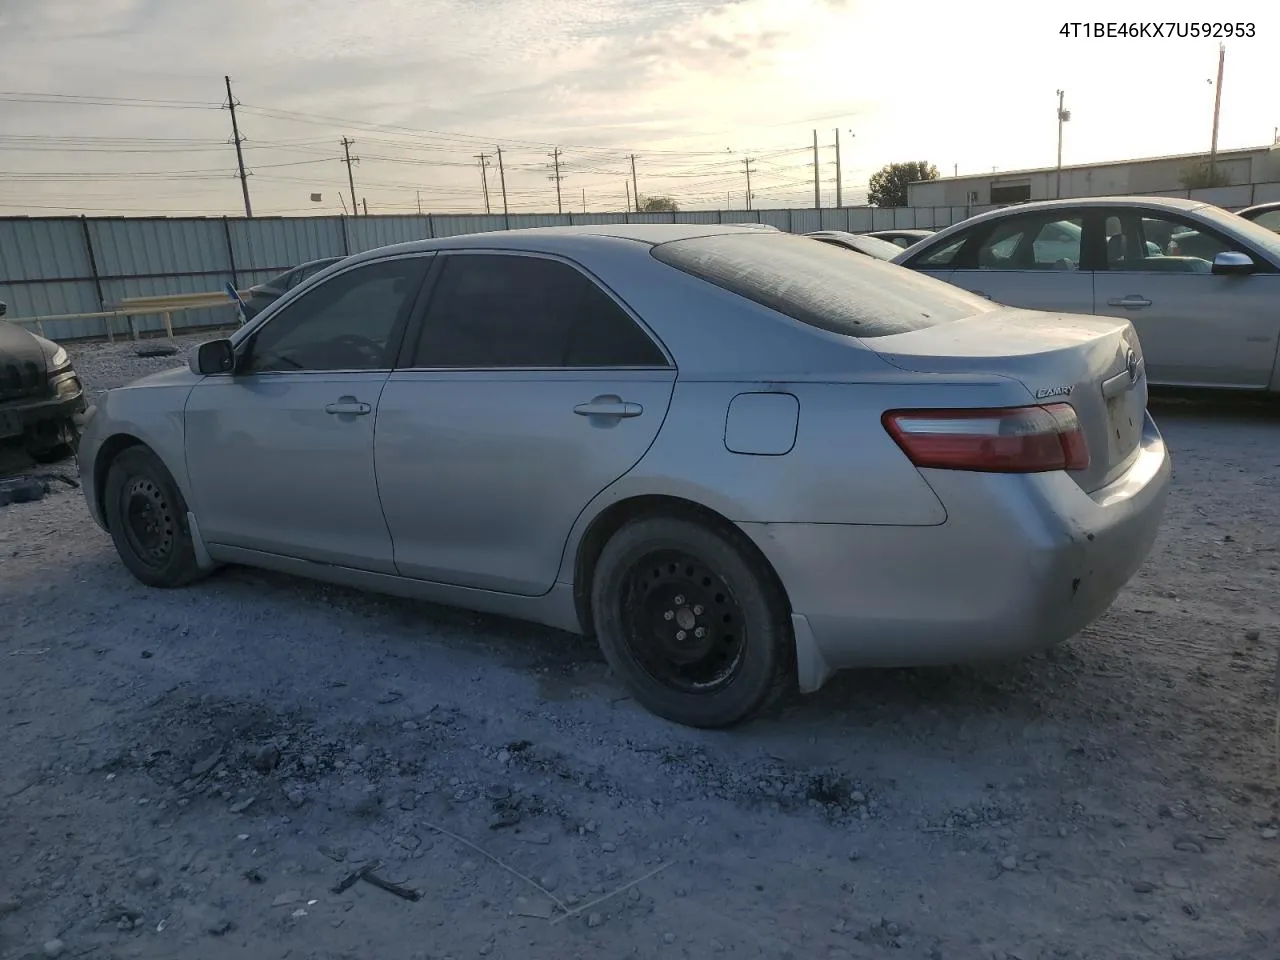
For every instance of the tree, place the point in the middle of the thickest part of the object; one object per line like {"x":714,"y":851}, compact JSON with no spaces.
{"x":1202,"y":174}
{"x":888,"y":187}
{"x":658,"y":205}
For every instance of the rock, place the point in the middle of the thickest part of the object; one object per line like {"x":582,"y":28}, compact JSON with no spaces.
{"x":1187,"y":845}
{"x":668,"y":938}
{"x":1008,"y":864}
{"x":203,"y":766}
{"x":497,"y":791}
{"x":296,"y":796}
{"x":1268,"y":834}
{"x":608,"y":846}
{"x":1253,"y":636}
{"x":266,"y":759}
{"x":242,"y":805}
{"x":409,"y":801}
{"x":594,"y":920}
{"x":634,"y":894}
{"x":54,"y":948}
{"x":857,"y":797}
{"x":549,"y":882}
{"x":1143,"y":886}
{"x":717,"y":946}
{"x":22,"y":490}
{"x":146,"y":878}
{"x":539,"y":908}
{"x":156,"y":350}
{"x":535,"y":836}
{"x":409,"y":727}
{"x":359,"y":753}
{"x":220,"y":926}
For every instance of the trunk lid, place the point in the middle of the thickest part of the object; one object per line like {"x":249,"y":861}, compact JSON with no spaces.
{"x":1093,"y":363}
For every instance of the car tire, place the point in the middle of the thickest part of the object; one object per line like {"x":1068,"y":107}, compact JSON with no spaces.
{"x":658,"y":582}
{"x":147,"y":517}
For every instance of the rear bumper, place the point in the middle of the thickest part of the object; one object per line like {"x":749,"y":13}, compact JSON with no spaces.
{"x":1021,"y":563}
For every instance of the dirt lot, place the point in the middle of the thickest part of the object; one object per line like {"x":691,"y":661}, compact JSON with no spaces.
{"x":188,"y":774}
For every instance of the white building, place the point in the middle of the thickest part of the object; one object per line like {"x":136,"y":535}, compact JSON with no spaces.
{"x":1243,"y":172}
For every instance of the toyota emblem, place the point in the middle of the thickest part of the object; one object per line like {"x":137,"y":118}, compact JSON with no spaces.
{"x":1131,"y":364}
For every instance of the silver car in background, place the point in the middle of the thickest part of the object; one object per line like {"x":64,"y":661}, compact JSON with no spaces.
{"x":741,"y":459}
{"x":1201,"y":285}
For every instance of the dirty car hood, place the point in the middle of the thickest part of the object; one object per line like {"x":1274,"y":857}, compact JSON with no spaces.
{"x":18,"y":346}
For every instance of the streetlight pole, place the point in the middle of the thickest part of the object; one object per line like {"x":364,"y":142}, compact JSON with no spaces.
{"x":1063,"y":117}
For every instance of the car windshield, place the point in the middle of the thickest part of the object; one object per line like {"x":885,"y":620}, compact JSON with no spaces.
{"x":820,"y":285}
{"x":1254,"y":233}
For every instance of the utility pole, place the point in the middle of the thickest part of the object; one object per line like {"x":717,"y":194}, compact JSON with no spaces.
{"x":627,"y":184}
{"x":364,"y":202}
{"x":502,"y":178}
{"x":555,"y":157}
{"x":1217,"y":105}
{"x":484,"y":178}
{"x":635,"y":184}
{"x":839,"y":184}
{"x":418,"y":193}
{"x":747,"y":164}
{"x":817,"y":189}
{"x":1063,"y":117}
{"x":351,"y":180}
{"x":584,"y":199}
{"x":235,"y":135}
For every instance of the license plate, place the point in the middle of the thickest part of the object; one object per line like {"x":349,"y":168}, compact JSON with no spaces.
{"x":10,"y":425}
{"x":1125,"y":422}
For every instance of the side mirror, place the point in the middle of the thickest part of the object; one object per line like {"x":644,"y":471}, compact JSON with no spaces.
{"x":1230,"y":263}
{"x":215,"y":356}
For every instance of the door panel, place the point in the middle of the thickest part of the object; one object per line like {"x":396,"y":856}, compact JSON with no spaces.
{"x":483,"y":473}
{"x":271,"y":469}
{"x":1199,"y":329}
{"x":1031,"y":261}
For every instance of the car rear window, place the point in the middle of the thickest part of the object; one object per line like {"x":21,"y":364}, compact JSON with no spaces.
{"x":820,"y":285}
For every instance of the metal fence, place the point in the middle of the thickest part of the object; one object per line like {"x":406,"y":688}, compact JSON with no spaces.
{"x":66,"y":265}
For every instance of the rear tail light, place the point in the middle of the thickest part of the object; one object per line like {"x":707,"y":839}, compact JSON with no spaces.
{"x":1007,"y":440}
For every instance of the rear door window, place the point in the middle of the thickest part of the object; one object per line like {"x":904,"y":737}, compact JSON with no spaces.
{"x":821,"y":286}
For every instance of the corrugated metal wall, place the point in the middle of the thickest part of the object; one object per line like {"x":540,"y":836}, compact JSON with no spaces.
{"x":60,"y":265}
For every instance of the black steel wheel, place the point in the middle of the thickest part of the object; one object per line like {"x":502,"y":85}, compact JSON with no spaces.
{"x":147,"y":517}
{"x":691,"y":621}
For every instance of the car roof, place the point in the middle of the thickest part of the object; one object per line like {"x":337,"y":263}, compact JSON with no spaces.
{"x":1260,"y":207}
{"x":566,"y":239}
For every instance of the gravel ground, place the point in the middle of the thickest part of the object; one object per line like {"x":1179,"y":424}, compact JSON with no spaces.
{"x":188,"y":774}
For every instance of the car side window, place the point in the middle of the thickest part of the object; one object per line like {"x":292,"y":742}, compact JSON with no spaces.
{"x":1137,"y":241}
{"x":493,"y":310}
{"x":348,"y":322}
{"x":943,"y":256}
{"x":1270,"y":219}
{"x":1033,"y":243}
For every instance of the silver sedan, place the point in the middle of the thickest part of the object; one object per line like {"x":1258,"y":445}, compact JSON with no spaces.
{"x":1201,"y":285}
{"x":741,"y":459}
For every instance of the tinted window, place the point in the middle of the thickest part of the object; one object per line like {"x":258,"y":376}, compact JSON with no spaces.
{"x":348,"y":322}
{"x":501,"y":310}
{"x":820,"y":286}
{"x":942,"y":256}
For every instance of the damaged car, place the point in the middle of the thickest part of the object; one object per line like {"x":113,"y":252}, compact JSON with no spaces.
{"x":41,"y":397}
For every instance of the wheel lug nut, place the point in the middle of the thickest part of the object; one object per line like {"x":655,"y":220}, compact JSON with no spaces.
{"x":700,"y":632}
{"x":680,"y":634}
{"x":669,"y":615}
{"x":697,"y":611}
{"x":679,"y":599}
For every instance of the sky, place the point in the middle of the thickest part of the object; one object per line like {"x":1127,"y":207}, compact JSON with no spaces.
{"x":117,"y":106}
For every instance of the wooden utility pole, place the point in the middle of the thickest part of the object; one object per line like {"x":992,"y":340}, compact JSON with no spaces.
{"x":747,"y":164}
{"x":502,"y":178}
{"x":839,"y":181}
{"x":235,"y":135}
{"x":1217,"y":105}
{"x":484,"y":178}
{"x":364,"y":202}
{"x":555,"y":157}
{"x":817,"y":188}
{"x":418,"y":194}
{"x":627,"y":184}
{"x":635,"y":185}
{"x":351,"y":180}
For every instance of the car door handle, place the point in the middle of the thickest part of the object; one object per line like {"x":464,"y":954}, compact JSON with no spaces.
{"x":348,"y":406}
{"x":1132,"y":300}
{"x":608,"y":406}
